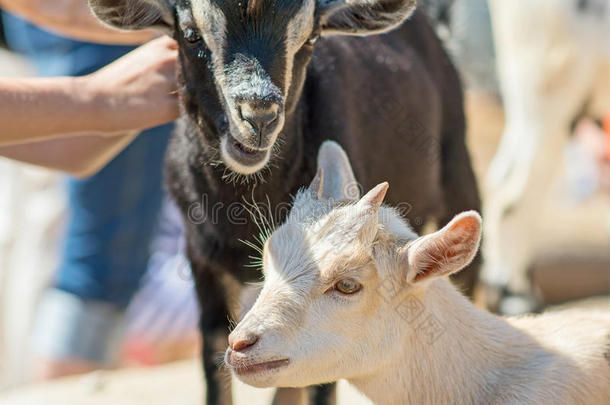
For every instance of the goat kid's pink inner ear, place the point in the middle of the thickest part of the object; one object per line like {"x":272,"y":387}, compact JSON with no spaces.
{"x":448,"y":250}
{"x":431,"y":259}
{"x":468,"y":226}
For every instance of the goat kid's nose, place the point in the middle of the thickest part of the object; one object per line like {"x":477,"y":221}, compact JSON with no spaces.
{"x":260,"y":116}
{"x":241,"y":343}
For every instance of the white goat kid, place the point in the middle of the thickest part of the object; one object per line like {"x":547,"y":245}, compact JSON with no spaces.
{"x":351,"y":292}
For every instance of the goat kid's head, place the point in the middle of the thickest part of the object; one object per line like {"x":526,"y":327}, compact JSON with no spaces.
{"x":335,"y":273}
{"x":243,"y":62}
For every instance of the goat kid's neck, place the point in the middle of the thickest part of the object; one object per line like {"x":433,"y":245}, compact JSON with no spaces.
{"x":452,"y":353}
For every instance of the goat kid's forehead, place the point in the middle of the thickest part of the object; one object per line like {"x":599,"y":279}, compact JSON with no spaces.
{"x":317,"y":249}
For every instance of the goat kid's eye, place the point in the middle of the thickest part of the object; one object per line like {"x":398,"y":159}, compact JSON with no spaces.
{"x":192,"y":35}
{"x":347,"y":286}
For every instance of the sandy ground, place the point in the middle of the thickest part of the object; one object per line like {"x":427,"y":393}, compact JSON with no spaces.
{"x":178,"y":383}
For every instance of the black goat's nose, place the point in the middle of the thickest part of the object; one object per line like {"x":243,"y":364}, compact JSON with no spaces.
{"x":242,"y":343}
{"x":259,"y":116}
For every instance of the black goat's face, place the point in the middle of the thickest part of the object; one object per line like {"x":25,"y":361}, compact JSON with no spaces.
{"x":251,"y":46}
{"x":243,"y":62}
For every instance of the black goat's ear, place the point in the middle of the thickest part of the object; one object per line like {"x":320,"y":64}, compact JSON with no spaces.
{"x":362,"y":17}
{"x":135,"y":14}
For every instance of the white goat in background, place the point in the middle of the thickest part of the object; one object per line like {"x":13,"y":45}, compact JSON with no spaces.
{"x":351,"y":292}
{"x":553,"y":64}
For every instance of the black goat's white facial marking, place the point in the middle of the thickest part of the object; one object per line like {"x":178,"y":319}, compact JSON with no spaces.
{"x":211,"y":22}
{"x":252,"y":46}
{"x":298,"y":32}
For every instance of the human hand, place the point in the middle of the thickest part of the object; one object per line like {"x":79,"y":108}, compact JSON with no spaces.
{"x":138,"y":91}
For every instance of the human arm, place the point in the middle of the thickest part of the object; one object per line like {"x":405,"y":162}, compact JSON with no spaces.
{"x":74,"y":19}
{"x":136,"y":92}
{"x":77,"y":125}
{"x":80,"y":156}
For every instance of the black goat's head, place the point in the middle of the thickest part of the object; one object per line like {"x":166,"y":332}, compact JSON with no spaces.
{"x":243,"y":62}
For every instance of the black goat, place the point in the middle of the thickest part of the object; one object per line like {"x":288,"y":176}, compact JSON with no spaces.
{"x":259,"y":98}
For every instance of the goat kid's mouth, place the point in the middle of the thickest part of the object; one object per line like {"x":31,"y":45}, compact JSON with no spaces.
{"x":242,"y":367}
{"x":245,"y":369}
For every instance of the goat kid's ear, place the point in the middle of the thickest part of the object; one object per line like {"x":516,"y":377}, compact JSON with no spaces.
{"x":446,"y":251}
{"x":368,"y":212}
{"x":373,"y":199}
{"x":362,"y":17}
{"x":135,"y":14}
{"x":335,"y":179}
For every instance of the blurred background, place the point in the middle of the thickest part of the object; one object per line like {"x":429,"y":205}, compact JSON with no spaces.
{"x":70,"y":302}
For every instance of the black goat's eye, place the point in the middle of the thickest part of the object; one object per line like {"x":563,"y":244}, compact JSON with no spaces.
{"x":192,"y":35}
{"x":348,"y":286}
{"x":312,"y":39}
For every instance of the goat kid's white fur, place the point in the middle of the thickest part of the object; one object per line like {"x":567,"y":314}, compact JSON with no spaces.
{"x":408,"y":336}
